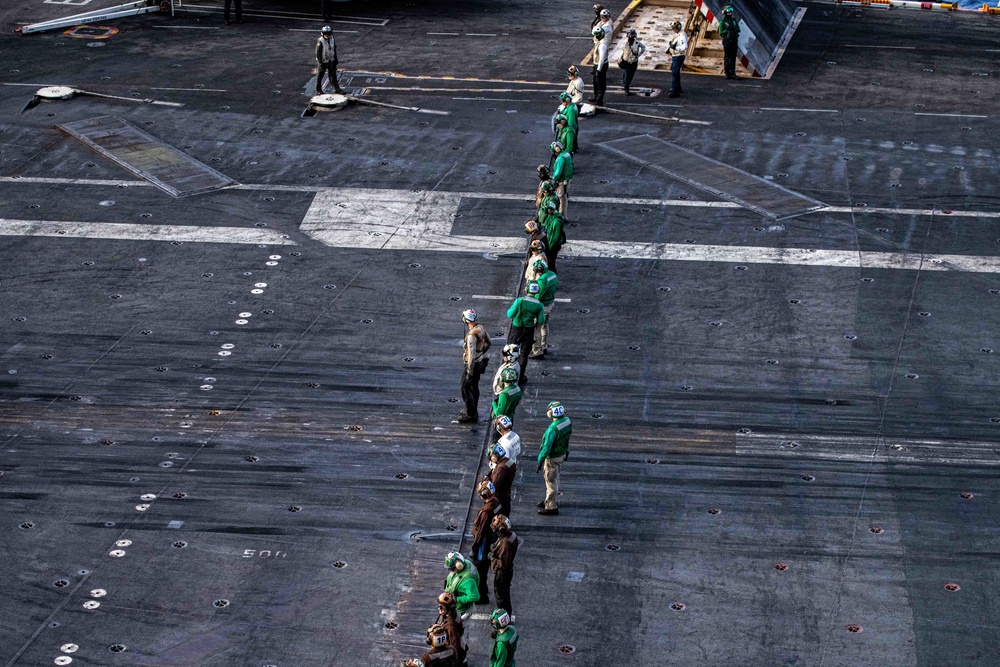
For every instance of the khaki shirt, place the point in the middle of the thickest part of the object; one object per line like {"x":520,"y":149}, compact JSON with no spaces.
{"x":477,"y":345}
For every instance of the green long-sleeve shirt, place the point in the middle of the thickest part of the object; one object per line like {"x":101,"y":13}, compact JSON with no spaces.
{"x":464,"y":586}
{"x":567,"y":137}
{"x":547,"y":284}
{"x":554,"y":232}
{"x":526,"y":312}
{"x":555,"y":441}
{"x":562,"y":169}
{"x":543,"y":213}
{"x":572,"y":116}
{"x":504,"y":646}
{"x":506,"y":401}
{"x":729,"y":29}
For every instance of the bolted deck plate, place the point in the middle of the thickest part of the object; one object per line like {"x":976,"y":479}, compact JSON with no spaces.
{"x":169,"y":169}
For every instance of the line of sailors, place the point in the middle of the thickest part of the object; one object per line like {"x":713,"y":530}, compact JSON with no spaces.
{"x":495,"y":543}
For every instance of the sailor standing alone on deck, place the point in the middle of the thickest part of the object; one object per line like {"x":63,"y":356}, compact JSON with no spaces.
{"x":326,"y":60}
{"x":729,"y":30}
{"x":677,"y":49}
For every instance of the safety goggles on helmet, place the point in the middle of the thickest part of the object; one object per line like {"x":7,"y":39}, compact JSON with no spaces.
{"x":501,"y":524}
{"x":500,"y":619}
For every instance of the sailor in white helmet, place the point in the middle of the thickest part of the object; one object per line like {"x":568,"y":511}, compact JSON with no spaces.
{"x":475,"y":355}
{"x":677,"y":50}
{"x":607,"y":27}
{"x":510,"y":440}
{"x":575,"y":86}
{"x":510,"y":353}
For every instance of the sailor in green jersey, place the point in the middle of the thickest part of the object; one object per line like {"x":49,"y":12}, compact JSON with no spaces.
{"x":506,"y":401}
{"x":547,"y":284}
{"x":565,"y":135}
{"x":570,"y":110}
{"x":504,"y":640}
{"x":525,"y":313}
{"x":462,"y":581}
{"x":548,"y":196}
{"x":729,"y":31}
{"x":555,"y":233}
{"x":552,"y":453}
{"x":562,"y":173}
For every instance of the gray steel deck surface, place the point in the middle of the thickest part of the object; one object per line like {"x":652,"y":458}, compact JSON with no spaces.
{"x":717,"y":178}
{"x":842,"y":418}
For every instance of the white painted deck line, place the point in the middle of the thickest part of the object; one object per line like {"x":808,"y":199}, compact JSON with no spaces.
{"x":405,"y":220}
{"x":141,"y":232}
{"x":624,"y":201}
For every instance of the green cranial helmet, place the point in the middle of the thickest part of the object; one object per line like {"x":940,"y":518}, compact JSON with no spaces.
{"x":727,"y":10}
{"x":508,"y":375}
{"x":500,"y":619}
{"x":547,"y":186}
{"x":556,"y":409}
{"x":533,"y":288}
{"x":565,"y":97}
{"x":454,"y":559}
{"x":540,"y":266}
{"x":551,"y":206}
{"x":598,"y":33}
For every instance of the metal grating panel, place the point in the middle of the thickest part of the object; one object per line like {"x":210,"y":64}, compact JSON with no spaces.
{"x":143,"y":154}
{"x":736,"y":185}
